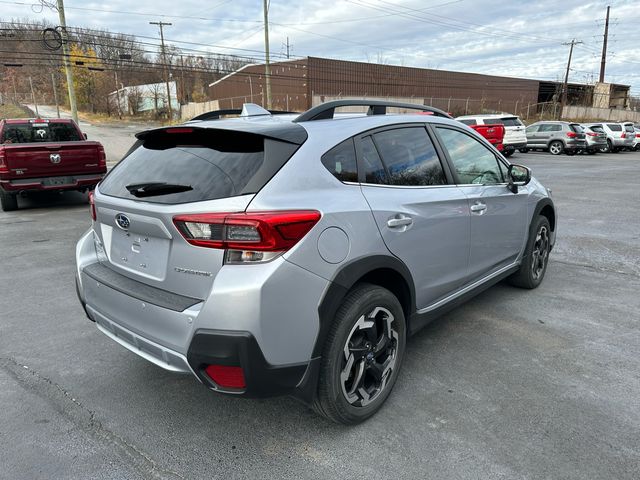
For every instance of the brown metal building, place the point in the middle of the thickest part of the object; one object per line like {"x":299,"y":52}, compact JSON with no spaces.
{"x":297,"y":85}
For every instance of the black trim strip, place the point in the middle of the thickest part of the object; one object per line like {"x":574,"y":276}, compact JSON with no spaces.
{"x":141,"y":291}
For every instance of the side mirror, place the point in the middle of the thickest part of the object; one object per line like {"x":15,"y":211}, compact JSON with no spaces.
{"x":518,"y":176}
{"x":85,"y":136}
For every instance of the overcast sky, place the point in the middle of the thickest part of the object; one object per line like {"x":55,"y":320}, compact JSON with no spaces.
{"x":512,"y":38}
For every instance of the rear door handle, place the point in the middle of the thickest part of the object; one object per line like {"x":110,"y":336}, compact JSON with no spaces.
{"x":399,"y":221}
{"x":478,"y":208}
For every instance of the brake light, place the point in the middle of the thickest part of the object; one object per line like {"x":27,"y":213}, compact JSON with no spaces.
{"x":624,"y":135}
{"x":225,"y":376}
{"x":637,"y":136}
{"x":247,"y":237}
{"x":591,"y":134}
{"x":571,"y":134}
{"x":3,"y":166}
{"x":179,"y":130}
{"x":102,"y":157}
{"x":92,"y":206}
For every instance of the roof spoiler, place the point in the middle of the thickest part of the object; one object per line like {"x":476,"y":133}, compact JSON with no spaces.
{"x":326,"y":110}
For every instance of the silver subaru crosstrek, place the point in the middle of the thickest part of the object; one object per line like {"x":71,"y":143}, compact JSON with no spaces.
{"x":272,"y":254}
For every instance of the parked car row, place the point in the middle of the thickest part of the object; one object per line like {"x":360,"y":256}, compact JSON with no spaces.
{"x":557,"y":137}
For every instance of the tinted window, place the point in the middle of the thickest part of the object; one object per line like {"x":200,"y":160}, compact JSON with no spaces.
{"x":576,"y":128}
{"x":468,"y":121}
{"x":40,"y":132}
{"x":472,"y":161}
{"x":614,"y":127}
{"x":373,"y":169}
{"x":507,"y":121}
{"x":410,"y":157}
{"x":629,"y":128}
{"x":214,"y":164}
{"x":341,"y":162}
{"x":596,"y":128}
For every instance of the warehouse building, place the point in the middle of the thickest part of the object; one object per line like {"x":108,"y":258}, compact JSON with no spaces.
{"x":299,"y":84}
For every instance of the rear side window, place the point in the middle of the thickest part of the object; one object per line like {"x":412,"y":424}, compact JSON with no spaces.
{"x":614,"y":127}
{"x":341,"y":162}
{"x":468,"y":121}
{"x":576,"y":128}
{"x":39,"y":132}
{"x":190,"y":168}
{"x":374,"y":171}
{"x":409,"y":157}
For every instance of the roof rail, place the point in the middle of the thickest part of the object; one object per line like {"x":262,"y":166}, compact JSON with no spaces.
{"x":216,"y":114}
{"x":326,"y":110}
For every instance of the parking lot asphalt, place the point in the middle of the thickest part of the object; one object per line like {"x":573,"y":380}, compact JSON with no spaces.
{"x":515,"y":384}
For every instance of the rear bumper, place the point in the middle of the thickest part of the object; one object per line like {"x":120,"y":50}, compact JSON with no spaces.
{"x":514,"y":146}
{"x":575,"y":144}
{"x":68,"y":182}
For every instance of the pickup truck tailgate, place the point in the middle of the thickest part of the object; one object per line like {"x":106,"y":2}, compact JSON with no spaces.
{"x":53,"y":159}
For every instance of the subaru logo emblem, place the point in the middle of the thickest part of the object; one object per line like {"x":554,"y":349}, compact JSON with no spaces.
{"x":55,"y":158}
{"x":123,"y":221}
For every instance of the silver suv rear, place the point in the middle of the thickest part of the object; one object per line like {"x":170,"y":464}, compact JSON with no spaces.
{"x":619,"y":136}
{"x":271,"y":255}
{"x":556,"y":137}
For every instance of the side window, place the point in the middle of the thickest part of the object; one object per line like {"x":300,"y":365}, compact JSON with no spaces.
{"x":373,"y":169}
{"x":341,"y":161}
{"x":472,"y":161}
{"x":532,"y":129}
{"x":556,"y":128}
{"x":410,"y":157}
{"x":545,"y":127}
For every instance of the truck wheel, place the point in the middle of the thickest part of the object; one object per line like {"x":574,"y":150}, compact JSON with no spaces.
{"x":508,"y":153}
{"x":9,"y":201}
{"x":523,"y":150}
{"x":608,"y":148}
{"x":362,"y":355}
{"x":556,"y":148}
{"x":536,"y":256}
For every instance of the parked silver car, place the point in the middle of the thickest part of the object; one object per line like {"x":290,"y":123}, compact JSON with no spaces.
{"x":272,"y":254}
{"x":596,"y":138}
{"x":556,"y":137}
{"x":619,"y":136}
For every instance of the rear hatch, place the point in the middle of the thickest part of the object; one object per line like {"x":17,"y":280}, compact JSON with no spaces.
{"x":174,"y":172}
{"x":514,"y":129}
{"x":596,"y":134}
{"x":630,"y":133}
{"x":41,"y":148}
{"x":577,"y":131}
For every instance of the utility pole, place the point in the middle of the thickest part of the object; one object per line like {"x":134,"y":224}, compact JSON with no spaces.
{"x":287,"y":45}
{"x":15,"y":92}
{"x":267,"y":67}
{"x":115,"y":75}
{"x":67,"y":64}
{"x":33,"y":96}
{"x":565,"y":88}
{"x":603,"y":62}
{"x":55,"y":93}
{"x":164,"y":59}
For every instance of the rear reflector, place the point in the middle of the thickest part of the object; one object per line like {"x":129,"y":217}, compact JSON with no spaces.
{"x":3,"y":166}
{"x":226,"y":377}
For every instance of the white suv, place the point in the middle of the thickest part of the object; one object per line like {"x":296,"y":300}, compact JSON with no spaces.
{"x":515,"y":136}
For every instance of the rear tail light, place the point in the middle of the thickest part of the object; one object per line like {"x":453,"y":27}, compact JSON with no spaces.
{"x":637,"y":136}
{"x":102,"y":157}
{"x":3,"y":166}
{"x":591,"y":134}
{"x":92,"y":206}
{"x":624,"y":135}
{"x":247,"y":237}
{"x":225,"y":376}
{"x":571,"y":134}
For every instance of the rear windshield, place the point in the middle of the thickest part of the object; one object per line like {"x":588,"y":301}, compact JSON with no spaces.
{"x":629,"y":128}
{"x":596,"y":128}
{"x":224,"y":165}
{"x":39,"y":132}
{"x":468,"y":121}
{"x":576,"y":128}
{"x":506,"y":121}
{"x":614,"y":127}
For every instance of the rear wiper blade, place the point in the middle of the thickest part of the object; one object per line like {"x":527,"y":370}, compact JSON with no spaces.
{"x":150,"y":189}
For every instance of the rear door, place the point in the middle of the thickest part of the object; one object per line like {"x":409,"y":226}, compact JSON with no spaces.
{"x":423,"y":219}
{"x":497,"y":216}
{"x":204,"y":171}
{"x":533,"y":136}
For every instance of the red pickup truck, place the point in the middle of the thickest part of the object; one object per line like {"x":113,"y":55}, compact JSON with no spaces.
{"x":493,"y":132}
{"x":46,"y":154}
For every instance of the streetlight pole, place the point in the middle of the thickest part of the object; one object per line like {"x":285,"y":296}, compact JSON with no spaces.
{"x":67,"y":64}
{"x":164,"y":59}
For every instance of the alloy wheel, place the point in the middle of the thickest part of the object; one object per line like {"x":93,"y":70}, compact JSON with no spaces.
{"x":370,"y":355}
{"x":540,"y":252}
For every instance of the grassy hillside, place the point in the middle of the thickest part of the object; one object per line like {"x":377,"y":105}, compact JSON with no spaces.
{"x":10,"y":110}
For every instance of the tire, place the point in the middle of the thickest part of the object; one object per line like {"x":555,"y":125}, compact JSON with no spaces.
{"x":570,"y":152}
{"x":556,"y":148}
{"x":536,"y":256}
{"x":592,"y":151}
{"x":507,"y":153}
{"x":350,"y":390}
{"x":8,"y":201}
{"x":523,"y":150}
